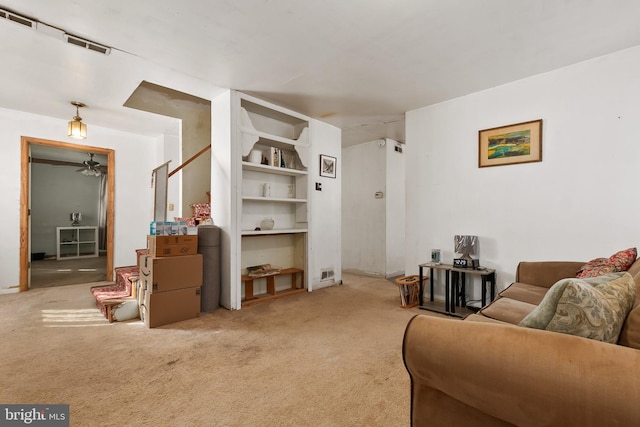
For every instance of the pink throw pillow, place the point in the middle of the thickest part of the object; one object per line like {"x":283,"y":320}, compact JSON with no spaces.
{"x":620,"y":261}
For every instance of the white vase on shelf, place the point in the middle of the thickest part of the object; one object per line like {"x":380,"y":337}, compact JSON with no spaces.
{"x":267,"y":224}
{"x":255,"y":156}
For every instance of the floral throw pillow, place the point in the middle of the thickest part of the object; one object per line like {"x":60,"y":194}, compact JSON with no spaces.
{"x":593,"y":308}
{"x":620,"y":261}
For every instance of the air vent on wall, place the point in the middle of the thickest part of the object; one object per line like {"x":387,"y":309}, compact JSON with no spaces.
{"x":22,"y":20}
{"x":327,"y":274}
{"x":77,"y":41}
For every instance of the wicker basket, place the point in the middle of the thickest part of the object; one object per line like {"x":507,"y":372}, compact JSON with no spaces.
{"x":409,"y":291}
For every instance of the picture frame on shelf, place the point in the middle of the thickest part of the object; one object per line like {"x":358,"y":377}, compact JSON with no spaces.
{"x":328,"y":166}
{"x":511,"y":144}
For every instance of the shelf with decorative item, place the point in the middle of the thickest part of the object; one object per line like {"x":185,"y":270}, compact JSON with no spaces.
{"x":263,"y":130}
{"x":278,"y":156}
{"x":257,"y":167}
{"x":274,"y":231}
{"x":267,"y":138}
{"x":273,"y":199}
{"x":273,"y":123}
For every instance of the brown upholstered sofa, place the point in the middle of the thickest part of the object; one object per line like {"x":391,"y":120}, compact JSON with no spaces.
{"x":487,"y":371}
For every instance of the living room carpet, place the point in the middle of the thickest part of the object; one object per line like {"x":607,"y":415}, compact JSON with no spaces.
{"x":331,"y":357}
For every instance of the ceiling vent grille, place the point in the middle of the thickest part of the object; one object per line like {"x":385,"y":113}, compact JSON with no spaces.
{"x":54,"y":32}
{"x":22,"y":20}
{"x":77,"y":41}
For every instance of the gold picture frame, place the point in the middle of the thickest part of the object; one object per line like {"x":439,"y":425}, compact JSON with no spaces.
{"x":512,"y":144}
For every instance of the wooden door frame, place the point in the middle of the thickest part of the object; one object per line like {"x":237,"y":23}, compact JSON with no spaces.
{"x":25,"y":141}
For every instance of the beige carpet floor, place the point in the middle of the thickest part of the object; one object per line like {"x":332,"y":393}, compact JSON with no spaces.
{"x":327,"y":358}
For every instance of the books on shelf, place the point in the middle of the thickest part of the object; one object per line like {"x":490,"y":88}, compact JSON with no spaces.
{"x":277,"y":158}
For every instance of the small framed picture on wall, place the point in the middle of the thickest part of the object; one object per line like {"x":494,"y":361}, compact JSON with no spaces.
{"x":328,"y":166}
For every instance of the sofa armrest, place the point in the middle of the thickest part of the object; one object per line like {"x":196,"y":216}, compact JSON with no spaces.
{"x":546,"y":273}
{"x":525,"y":377}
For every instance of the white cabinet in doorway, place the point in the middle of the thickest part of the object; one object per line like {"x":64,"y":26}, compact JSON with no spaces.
{"x":76,"y":242}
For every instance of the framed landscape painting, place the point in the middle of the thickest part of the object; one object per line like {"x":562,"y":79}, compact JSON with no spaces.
{"x":507,"y":145}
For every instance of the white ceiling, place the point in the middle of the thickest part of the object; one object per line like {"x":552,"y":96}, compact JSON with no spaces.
{"x":358,"y":64}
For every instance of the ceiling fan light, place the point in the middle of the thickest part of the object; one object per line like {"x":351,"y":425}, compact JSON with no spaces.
{"x":91,"y":167}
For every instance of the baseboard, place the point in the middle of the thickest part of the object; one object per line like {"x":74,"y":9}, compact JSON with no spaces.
{"x":389,"y":276}
{"x":392,"y":276}
{"x":363,"y":273}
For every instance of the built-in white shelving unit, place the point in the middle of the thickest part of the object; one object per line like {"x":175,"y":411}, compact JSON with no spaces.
{"x":274,"y":186}
{"x":248,"y":188}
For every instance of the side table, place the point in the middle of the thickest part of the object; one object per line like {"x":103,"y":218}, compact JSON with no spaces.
{"x":455,"y":286}
{"x":458,"y":290}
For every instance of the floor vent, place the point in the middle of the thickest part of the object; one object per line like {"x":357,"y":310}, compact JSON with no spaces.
{"x":22,"y":20}
{"x":77,"y":41}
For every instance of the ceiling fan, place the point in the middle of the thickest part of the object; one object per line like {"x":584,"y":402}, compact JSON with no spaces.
{"x":92,"y":168}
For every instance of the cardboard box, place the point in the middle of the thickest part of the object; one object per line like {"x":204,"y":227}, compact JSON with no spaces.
{"x":168,"y":246}
{"x":163,"y":308}
{"x":170,"y":273}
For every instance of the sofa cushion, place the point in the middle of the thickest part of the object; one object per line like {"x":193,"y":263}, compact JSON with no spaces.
{"x":508,"y":310}
{"x":478,"y":318}
{"x":593,"y":308}
{"x":524,"y":292}
{"x":620,"y":261}
{"x":630,"y":334}
{"x":546,"y":273}
{"x":634,"y":270}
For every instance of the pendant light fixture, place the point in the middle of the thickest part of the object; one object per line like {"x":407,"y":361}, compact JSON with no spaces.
{"x":76,"y":128}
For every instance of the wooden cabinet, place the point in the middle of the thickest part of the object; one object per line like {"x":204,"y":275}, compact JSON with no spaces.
{"x":76,"y":242}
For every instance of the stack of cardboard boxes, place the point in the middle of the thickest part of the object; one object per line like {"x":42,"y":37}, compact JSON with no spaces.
{"x":170,"y":280}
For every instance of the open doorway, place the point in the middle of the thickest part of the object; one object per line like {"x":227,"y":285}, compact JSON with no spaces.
{"x":83,"y":238}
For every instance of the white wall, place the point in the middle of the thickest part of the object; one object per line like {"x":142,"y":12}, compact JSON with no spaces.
{"x":135,"y":157}
{"x":577,"y":204}
{"x":170,"y":149}
{"x":325,"y":206}
{"x":395,"y":196}
{"x":225,"y":198}
{"x":364,"y":216}
{"x":56,"y":191}
{"x":373,"y":235}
